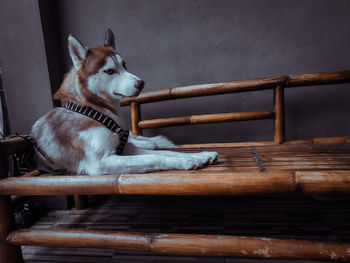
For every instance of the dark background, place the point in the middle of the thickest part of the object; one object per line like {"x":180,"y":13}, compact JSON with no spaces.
{"x":172,"y":43}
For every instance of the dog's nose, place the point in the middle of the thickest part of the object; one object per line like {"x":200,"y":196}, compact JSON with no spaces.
{"x":139,"y":84}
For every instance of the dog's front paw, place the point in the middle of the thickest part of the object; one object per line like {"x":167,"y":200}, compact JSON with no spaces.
{"x":212,"y":157}
{"x":207,"y":157}
{"x":191,"y":164}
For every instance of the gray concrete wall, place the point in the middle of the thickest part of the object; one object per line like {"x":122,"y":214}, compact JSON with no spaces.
{"x":23,"y":63}
{"x":24,"y":71}
{"x":173,"y":43}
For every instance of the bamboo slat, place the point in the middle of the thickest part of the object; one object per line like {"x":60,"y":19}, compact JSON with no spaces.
{"x":213,"y":245}
{"x":185,"y":183}
{"x":209,"y":118}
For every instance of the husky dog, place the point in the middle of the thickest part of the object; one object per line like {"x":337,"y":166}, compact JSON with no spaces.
{"x":84,"y":137}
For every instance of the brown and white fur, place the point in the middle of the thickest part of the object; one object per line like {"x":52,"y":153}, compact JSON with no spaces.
{"x":80,"y":145}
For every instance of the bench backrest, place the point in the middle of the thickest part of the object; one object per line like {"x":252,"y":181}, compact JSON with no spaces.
{"x":277,"y":114}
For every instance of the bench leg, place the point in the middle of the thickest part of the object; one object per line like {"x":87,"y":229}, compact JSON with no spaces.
{"x":8,"y":253}
{"x":80,"y":202}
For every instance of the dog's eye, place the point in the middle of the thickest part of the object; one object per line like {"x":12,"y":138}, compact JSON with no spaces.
{"x":110,"y":71}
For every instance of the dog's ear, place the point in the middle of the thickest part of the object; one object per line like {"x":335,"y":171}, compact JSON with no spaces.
{"x":77,"y":51}
{"x":109,"y":39}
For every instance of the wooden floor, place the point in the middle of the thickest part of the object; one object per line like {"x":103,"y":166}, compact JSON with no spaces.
{"x":314,"y":217}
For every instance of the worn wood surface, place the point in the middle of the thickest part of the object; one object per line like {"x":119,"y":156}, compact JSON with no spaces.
{"x":207,"y":118}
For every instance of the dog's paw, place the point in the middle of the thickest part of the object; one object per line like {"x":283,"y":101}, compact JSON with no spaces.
{"x":162,"y":142}
{"x":181,"y":163}
{"x":212,"y":157}
{"x":207,"y":157}
{"x":191,"y":164}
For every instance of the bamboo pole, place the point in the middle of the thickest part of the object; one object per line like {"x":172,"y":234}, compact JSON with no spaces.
{"x":135,"y":118}
{"x":208,"y":118}
{"x":278,"y":105}
{"x":183,"y":183}
{"x":61,"y":185}
{"x":205,"y":90}
{"x":8,"y":253}
{"x":211,"y":245}
{"x":296,"y":80}
{"x":321,"y":78}
{"x":318,"y":182}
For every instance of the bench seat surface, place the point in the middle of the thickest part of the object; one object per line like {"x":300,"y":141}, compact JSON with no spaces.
{"x":287,"y":157}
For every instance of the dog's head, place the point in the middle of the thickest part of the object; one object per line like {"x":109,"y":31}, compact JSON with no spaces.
{"x":102,"y":71}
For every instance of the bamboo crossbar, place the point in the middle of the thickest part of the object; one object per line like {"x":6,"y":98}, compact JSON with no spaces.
{"x":208,"y":118}
{"x":213,"y":245}
{"x":13,"y":145}
{"x":296,"y":80}
{"x":205,"y":90}
{"x":186,"y":183}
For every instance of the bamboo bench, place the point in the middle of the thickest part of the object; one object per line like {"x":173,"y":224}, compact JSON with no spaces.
{"x":320,"y":165}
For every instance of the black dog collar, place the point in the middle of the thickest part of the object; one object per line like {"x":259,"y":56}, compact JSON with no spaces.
{"x":103,"y":119}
